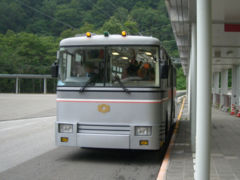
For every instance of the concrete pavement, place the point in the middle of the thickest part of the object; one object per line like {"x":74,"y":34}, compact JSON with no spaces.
{"x":225,"y":149}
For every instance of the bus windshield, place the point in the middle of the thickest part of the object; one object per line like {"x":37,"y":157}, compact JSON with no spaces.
{"x":133,"y":66}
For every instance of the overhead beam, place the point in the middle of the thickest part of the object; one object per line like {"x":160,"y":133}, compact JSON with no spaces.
{"x":186,"y":20}
{"x":238,"y":58}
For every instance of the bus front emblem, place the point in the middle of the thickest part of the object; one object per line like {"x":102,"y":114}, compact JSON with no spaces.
{"x":103,"y":108}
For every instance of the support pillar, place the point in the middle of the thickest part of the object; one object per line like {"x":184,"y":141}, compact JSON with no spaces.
{"x":189,"y":91}
{"x":224,"y":88}
{"x":204,"y":76}
{"x":234,"y":86}
{"x":193,"y":83}
{"x":238,"y":85}
{"x":215,"y":87}
{"x":17,"y":86}
{"x":45,"y":85}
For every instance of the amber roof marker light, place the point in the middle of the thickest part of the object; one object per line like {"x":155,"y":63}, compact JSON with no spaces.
{"x":88,"y":34}
{"x":124,"y":33}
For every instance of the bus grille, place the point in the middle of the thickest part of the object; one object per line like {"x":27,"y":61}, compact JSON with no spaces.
{"x":103,"y":129}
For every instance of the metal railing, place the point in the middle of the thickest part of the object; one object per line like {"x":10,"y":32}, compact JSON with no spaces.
{"x":28,"y":76}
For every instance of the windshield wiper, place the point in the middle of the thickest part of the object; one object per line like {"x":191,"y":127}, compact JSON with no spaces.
{"x":94,"y":79}
{"x":116,"y":78}
{"x":91,"y":80}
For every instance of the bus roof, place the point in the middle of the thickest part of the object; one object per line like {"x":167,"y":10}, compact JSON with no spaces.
{"x":110,"y":40}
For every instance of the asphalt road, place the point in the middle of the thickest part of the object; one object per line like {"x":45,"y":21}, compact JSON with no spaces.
{"x":87,"y":164}
{"x":23,"y":106}
{"x":28,"y":152}
{"x":22,"y":140}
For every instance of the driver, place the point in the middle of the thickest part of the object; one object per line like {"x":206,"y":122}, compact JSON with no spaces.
{"x":133,"y":67}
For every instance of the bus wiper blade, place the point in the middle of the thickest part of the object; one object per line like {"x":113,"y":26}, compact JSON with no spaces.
{"x":121,"y":84}
{"x":90,"y":80}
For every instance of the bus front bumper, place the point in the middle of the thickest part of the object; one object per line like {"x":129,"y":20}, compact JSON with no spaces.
{"x":111,"y":141}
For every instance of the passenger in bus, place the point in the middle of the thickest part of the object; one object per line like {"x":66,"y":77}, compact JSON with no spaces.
{"x":146,"y":72}
{"x":133,"y":67}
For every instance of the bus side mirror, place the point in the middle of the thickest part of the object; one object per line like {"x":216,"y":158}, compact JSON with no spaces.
{"x":164,"y":71}
{"x":54,"y":70}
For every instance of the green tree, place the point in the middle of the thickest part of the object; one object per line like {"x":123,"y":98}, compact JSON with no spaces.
{"x":181,"y":79}
{"x":131,"y":27}
{"x":31,"y":29}
{"x":113,"y":26}
{"x":72,"y":32}
{"x":67,"y":33}
{"x":86,"y":27}
{"x":121,"y":14}
{"x":171,"y":47}
{"x":26,"y":53}
{"x":12,"y":16}
{"x":102,"y":10}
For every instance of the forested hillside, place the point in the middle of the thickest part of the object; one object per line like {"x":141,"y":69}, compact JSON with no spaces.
{"x":30,"y":30}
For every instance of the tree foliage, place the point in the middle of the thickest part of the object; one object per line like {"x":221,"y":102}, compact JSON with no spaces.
{"x":30,"y":30}
{"x":26,"y":53}
{"x":181,"y":79}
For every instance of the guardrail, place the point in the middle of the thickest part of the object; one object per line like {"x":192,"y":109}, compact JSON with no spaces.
{"x":28,"y":76}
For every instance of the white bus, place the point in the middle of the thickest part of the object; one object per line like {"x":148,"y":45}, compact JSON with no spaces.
{"x":114,"y":91}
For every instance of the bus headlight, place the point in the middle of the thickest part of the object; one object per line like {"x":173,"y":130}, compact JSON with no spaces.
{"x":65,"y":128}
{"x":143,"y":131}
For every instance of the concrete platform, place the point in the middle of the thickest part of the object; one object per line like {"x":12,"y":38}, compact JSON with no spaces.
{"x":225,"y":149}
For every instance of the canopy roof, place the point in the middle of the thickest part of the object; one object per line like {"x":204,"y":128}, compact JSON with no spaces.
{"x":225,"y":31}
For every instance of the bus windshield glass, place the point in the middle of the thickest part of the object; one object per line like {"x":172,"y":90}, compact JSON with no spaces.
{"x":111,"y":66}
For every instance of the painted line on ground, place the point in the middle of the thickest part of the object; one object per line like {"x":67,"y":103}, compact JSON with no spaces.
{"x":25,"y":118}
{"x":22,"y":124}
{"x":163,"y":169}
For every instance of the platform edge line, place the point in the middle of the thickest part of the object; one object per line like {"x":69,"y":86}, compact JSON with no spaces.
{"x":165,"y":163}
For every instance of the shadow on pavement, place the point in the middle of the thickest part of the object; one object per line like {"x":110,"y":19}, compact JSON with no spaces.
{"x":116,"y":156}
